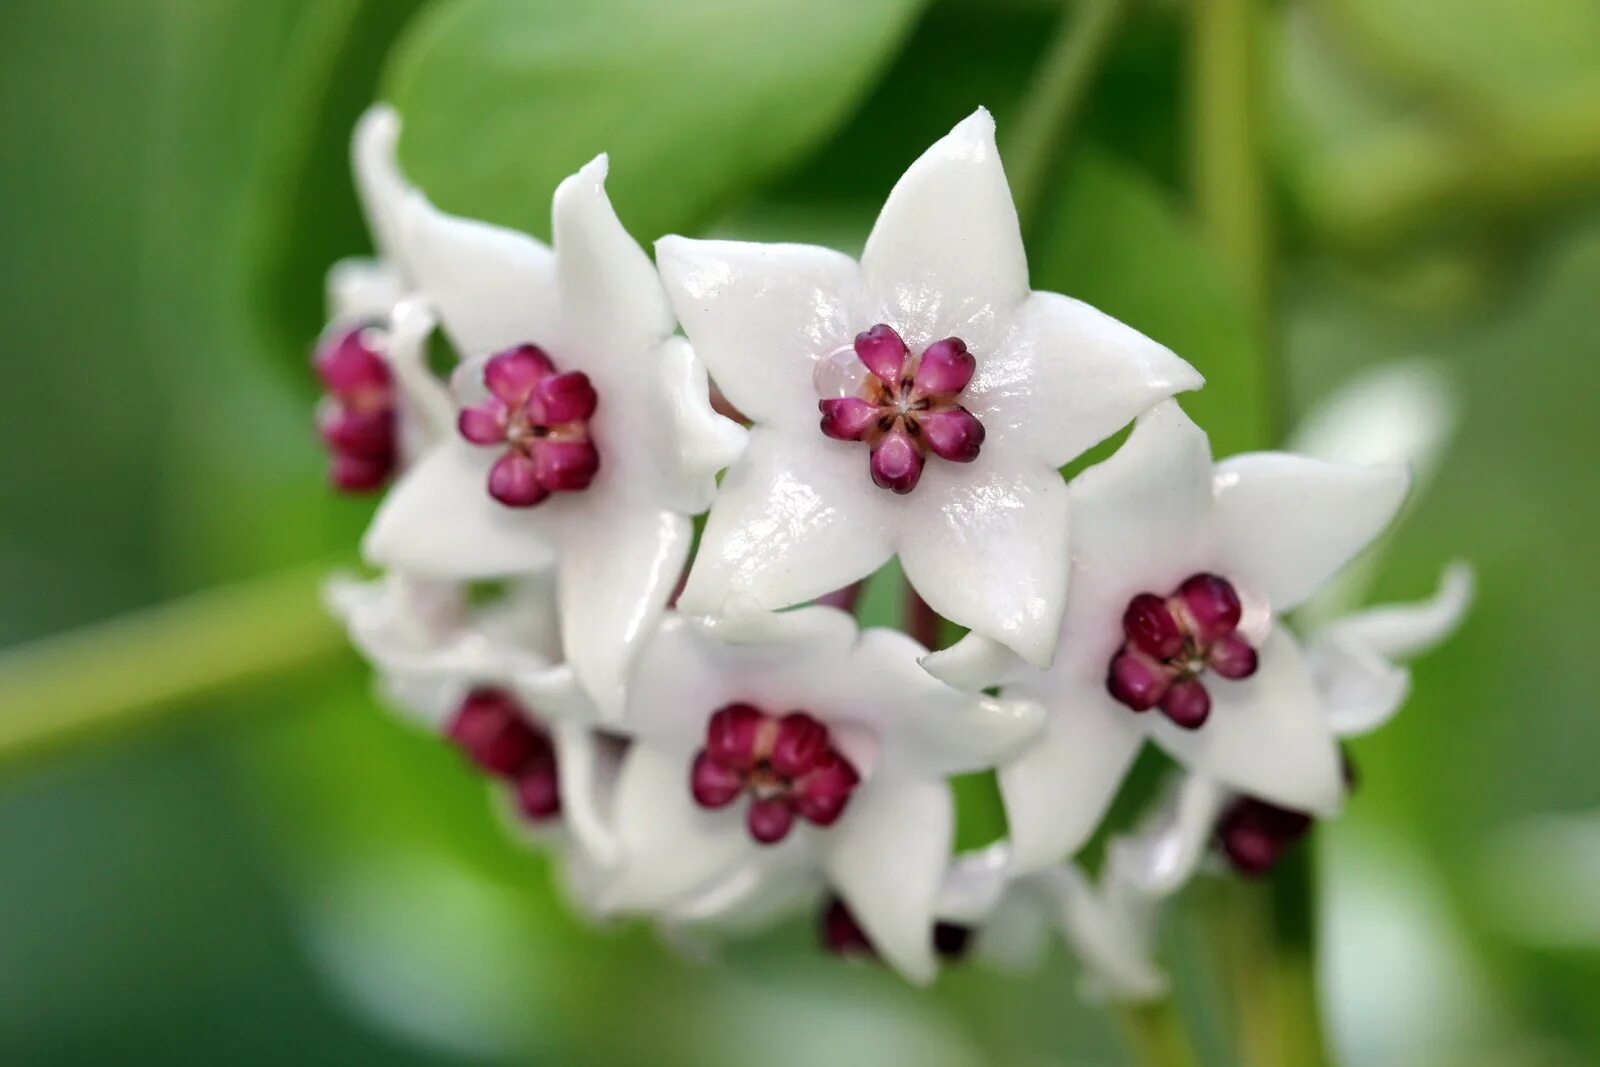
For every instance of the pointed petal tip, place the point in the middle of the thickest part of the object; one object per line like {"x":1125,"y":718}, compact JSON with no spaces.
{"x":378,"y":129}
{"x":977,"y":129}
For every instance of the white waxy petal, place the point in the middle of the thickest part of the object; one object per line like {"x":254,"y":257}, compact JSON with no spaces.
{"x":1400,"y":631}
{"x":791,"y":522}
{"x":586,"y":773}
{"x":492,"y":287}
{"x":945,"y":256}
{"x":1267,"y":735}
{"x":760,"y":316}
{"x":1139,"y":524}
{"x":439,"y":521}
{"x":986,"y":547}
{"x":1110,"y":931}
{"x":886,"y":857}
{"x":1068,"y":376}
{"x":1286,"y":524}
{"x":927,"y":728}
{"x":615,"y":574}
{"x":380,"y":186}
{"x":1163,"y":853}
{"x":1057,"y":792}
{"x":671,"y":848}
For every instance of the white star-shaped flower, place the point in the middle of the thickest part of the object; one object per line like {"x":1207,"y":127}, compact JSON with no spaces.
{"x":807,"y":747}
{"x":490,"y":677}
{"x":1357,"y":667}
{"x":949,"y":396}
{"x":585,"y":438}
{"x":1179,"y":570}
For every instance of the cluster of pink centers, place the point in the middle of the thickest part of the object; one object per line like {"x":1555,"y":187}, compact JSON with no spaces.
{"x":357,"y":417}
{"x":907,"y":407}
{"x":542,"y":417}
{"x":500,"y":738}
{"x":841,"y":935}
{"x":1171,"y":641}
{"x":788,"y":765}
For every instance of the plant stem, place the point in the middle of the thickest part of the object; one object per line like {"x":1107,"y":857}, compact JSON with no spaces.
{"x":1154,"y":1034}
{"x":1229,"y":180}
{"x":1055,"y":100}
{"x":1270,"y":930}
{"x":132,"y":669}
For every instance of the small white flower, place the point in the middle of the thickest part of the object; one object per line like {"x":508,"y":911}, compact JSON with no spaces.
{"x":1108,"y":927}
{"x":490,"y":677}
{"x":1178,"y":571}
{"x":1356,"y":664}
{"x":586,"y":437}
{"x":944,"y":421}
{"x":806,"y":749}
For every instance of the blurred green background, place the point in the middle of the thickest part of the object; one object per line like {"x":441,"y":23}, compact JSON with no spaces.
{"x":283,"y":873}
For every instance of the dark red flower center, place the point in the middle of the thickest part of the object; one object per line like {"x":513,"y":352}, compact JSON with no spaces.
{"x":541,"y":416}
{"x":787,"y":765}
{"x":501,"y":738}
{"x":356,"y":418}
{"x":1172,"y":641}
{"x":905,"y":407}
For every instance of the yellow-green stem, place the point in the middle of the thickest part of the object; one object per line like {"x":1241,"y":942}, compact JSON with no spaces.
{"x":1155,"y":1035}
{"x":1269,"y":931}
{"x":1037,"y":140}
{"x":132,"y":669}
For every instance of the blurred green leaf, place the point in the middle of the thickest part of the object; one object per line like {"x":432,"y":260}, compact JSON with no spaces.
{"x":697,"y":101}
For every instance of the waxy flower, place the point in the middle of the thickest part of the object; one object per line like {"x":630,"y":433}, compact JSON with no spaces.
{"x":1356,"y":665}
{"x":1179,"y":570}
{"x":381,"y":406}
{"x":918,"y":403}
{"x":584,"y":439}
{"x":1108,"y":926}
{"x":806,"y":749}
{"x":489,"y":677}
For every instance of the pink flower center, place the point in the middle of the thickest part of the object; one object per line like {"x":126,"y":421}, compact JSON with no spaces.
{"x":787,"y":765}
{"x":356,"y":418}
{"x":541,"y":417}
{"x":1172,"y":641}
{"x":502,"y":739}
{"x":842,"y":935}
{"x":1255,"y":835}
{"x":905,"y":406}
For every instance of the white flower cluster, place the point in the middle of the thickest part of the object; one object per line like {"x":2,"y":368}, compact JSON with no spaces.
{"x":700,"y":741}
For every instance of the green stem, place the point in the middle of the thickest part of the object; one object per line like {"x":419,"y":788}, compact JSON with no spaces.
{"x":1270,"y":930}
{"x":1155,"y":1035}
{"x":132,"y":669}
{"x":1055,"y":100}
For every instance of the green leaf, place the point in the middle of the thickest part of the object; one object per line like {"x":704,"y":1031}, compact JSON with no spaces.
{"x":697,"y":101}
{"x":1115,"y":239}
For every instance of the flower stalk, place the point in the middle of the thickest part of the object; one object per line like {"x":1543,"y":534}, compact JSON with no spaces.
{"x":1271,"y":933}
{"x":135,"y":668}
{"x":1055,"y":101}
